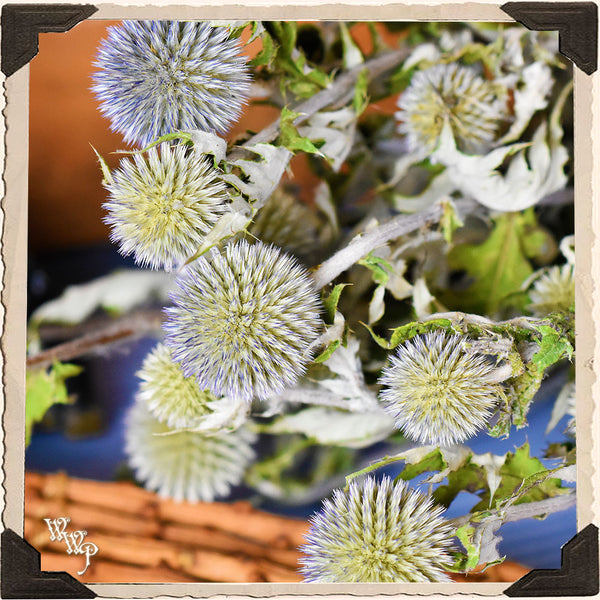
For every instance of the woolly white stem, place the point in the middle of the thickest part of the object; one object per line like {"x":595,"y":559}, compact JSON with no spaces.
{"x":361,"y":246}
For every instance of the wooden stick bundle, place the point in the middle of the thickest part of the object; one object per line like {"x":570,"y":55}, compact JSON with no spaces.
{"x":139,"y":533}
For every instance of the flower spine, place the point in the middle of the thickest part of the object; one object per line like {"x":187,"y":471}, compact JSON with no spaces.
{"x":185,"y":465}
{"x":243,"y":321}
{"x":554,"y":291}
{"x":157,"y":77}
{"x":377,"y":532}
{"x":161,"y":205}
{"x":455,"y":94}
{"x":437,"y":392}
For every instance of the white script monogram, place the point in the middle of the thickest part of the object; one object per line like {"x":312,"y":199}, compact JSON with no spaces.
{"x":73,"y":539}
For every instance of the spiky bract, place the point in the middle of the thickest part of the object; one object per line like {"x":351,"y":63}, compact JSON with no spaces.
{"x":554,"y":291}
{"x":162,"y":204}
{"x":171,"y":397}
{"x":455,"y":93}
{"x":243,"y":321}
{"x":156,"y":77}
{"x":287,"y":223}
{"x":185,"y":465}
{"x":377,"y":532}
{"x":436,"y":391}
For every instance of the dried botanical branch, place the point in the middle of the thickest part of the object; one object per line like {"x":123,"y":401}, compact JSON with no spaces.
{"x":361,"y":246}
{"x":527,"y":510}
{"x":128,"y":328}
{"x":338,"y":93}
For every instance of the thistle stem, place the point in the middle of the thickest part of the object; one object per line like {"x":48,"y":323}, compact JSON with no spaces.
{"x":359,"y":247}
{"x":339,"y":92}
{"x":126,"y":329}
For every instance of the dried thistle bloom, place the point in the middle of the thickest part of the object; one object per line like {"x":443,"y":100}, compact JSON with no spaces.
{"x":436,"y":391}
{"x":243,"y":321}
{"x":162,"y":204}
{"x":455,"y":93}
{"x":377,"y":533}
{"x":287,"y":223}
{"x":178,"y":401}
{"x":185,"y":465}
{"x":156,"y":77}
{"x":554,"y":291}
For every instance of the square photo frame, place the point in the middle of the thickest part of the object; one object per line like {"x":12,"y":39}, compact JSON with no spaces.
{"x":48,"y":482}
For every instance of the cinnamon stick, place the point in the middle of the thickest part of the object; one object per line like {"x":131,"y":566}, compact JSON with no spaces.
{"x":90,"y":518}
{"x":225,"y":542}
{"x":239,"y":518}
{"x":119,"y":496}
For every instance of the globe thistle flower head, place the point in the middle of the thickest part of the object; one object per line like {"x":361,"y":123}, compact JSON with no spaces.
{"x":377,"y":532}
{"x":286,"y":222}
{"x":171,"y":397}
{"x":554,"y":291}
{"x":457,"y":94}
{"x":437,"y":392}
{"x":156,"y":77}
{"x":162,"y":204}
{"x":185,"y":465}
{"x":243,"y":321}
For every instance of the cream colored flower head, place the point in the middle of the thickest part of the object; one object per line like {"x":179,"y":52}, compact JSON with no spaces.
{"x":377,"y":532}
{"x":178,"y":401}
{"x":554,"y":291}
{"x":437,"y":392}
{"x":185,"y":465}
{"x":474,"y":107}
{"x":162,"y":204}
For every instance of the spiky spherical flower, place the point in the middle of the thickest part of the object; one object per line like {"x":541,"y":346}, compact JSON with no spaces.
{"x":162,"y":204}
{"x":377,"y":532}
{"x":178,"y":401}
{"x":452,"y":92}
{"x":436,"y":391}
{"x":185,"y":465}
{"x":554,"y":291}
{"x":243,"y":320}
{"x":156,"y":77}
{"x":287,"y":223}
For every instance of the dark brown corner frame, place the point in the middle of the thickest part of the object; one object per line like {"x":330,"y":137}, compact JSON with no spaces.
{"x":577,"y":24}
{"x":21,"y":24}
{"x":22,"y":577}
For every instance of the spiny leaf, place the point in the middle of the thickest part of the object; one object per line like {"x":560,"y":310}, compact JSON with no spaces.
{"x":289,"y":136}
{"x":331,"y":302}
{"x":499,"y":265}
{"x":331,"y":348}
{"x":554,"y":346}
{"x":360,"y":101}
{"x":267,"y":54}
{"x":405,"y":332}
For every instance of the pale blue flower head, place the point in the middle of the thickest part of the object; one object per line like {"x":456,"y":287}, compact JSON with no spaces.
{"x":377,"y":532}
{"x":244,"y":320}
{"x":156,"y":77}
